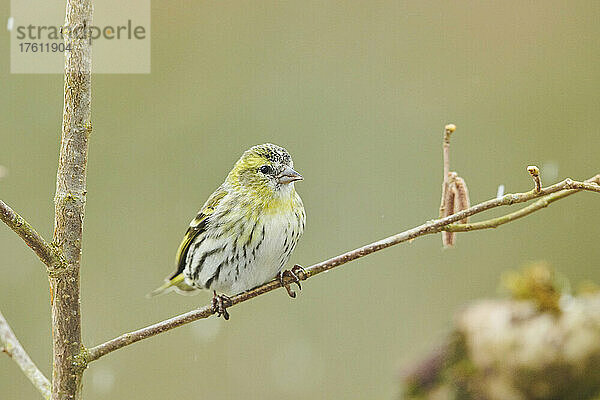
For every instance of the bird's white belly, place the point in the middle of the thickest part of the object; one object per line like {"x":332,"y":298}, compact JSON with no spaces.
{"x":270,"y":257}
{"x":241,"y":269}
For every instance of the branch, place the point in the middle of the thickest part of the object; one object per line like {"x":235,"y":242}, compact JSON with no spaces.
{"x":69,"y":201}
{"x":455,"y":196}
{"x":45,"y":251}
{"x":14,"y":350}
{"x":561,"y":189}
{"x":448,"y":130}
{"x":590,"y":184}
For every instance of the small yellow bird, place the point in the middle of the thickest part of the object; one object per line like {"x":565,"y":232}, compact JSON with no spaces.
{"x":246,"y":231}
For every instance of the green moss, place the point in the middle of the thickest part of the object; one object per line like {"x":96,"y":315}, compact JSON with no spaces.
{"x":588,"y":288}
{"x":536,"y":282}
{"x":81,"y":360}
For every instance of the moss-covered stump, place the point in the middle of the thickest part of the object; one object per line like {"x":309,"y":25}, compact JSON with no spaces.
{"x":515,"y":350}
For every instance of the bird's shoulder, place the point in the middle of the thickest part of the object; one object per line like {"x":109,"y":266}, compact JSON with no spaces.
{"x":209,"y":207}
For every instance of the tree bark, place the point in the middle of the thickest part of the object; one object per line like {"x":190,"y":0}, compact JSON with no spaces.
{"x":70,"y":203}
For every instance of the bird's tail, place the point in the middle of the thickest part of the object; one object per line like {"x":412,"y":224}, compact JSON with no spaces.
{"x":177,"y":283}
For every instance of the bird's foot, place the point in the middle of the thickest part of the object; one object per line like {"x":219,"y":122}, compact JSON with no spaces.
{"x":297,"y":273}
{"x":220,"y":302}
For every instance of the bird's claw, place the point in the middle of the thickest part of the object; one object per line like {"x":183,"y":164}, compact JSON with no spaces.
{"x":297,"y":273}
{"x":220,"y":302}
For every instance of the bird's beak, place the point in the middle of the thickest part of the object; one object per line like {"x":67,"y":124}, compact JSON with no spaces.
{"x":288,"y":175}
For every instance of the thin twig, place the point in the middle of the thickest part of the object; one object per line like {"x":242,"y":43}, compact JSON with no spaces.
{"x":535,"y":174}
{"x":590,"y":184}
{"x":562,"y":189}
{"x":448,"y":130}
{"x":448,"y":195}
{"x":455,"y":195}
{"x":45,"y":251}
{"x":14,"y":350}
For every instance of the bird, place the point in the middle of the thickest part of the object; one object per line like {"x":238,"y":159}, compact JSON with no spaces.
{"x":244,"y":234}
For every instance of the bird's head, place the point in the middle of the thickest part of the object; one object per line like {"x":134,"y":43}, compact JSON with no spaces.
{"x":265,"y":170}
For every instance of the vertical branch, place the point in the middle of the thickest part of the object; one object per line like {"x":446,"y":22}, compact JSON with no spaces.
{"x":448,"y":196}
{"x":70,"y":202}
{"x":448,"y":130}
{"x":455,"y":195}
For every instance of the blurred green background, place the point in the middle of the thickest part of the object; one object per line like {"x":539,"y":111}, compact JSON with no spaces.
{"x":358,"y":92}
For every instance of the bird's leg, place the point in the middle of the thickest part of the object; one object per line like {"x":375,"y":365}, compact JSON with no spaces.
{"x":282,"y":275}
{"x":294,"y":273}
{"x":220,"y":302}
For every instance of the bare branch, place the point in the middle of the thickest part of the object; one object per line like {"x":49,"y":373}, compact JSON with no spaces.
{"x":560,"y":190}
{"x":455,"y":196}
{"x":590,"y":184}
{"x":69,"y":202}
{"x":45,"y":251}
{"x":448,"y":195}
{"x":448,"y":130}
{"x":14,"y":350}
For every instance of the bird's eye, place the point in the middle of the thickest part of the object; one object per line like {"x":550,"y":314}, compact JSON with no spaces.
{"x":266,"y":169}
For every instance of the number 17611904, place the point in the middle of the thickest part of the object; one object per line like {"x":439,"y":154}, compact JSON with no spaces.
{"x":27,"y":47}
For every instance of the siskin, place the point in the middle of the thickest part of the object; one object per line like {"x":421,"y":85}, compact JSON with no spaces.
{"x":245,"y":232}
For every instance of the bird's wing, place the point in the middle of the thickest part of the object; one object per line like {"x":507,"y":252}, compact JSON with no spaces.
{"x":197,"y":226}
